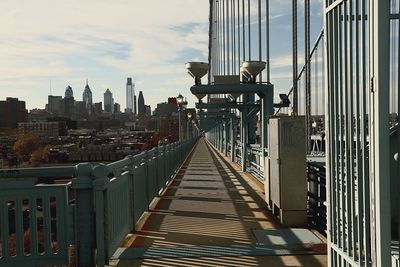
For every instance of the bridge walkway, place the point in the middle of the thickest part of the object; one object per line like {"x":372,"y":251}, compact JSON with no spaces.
{"x":213,"y":215}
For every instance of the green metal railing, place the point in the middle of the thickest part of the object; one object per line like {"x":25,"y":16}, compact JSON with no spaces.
{"x":316,"y":176}
{"x":317,"y":202}
{"x":254,"y":162}
{"x":86,"y":212}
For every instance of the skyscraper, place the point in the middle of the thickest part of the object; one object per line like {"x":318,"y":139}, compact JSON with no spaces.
{"x":54,"y":104}
{"x":68,"y":92}
{"x":141,"y":105}
{"x":88,"y":98}
{"x":68,"y":103}
{"x":108,"y":101}
{"x":130,"y":96}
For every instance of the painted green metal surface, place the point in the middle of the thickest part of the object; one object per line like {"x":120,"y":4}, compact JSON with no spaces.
{"x":34,"y":225}
{"x":107,"y":201}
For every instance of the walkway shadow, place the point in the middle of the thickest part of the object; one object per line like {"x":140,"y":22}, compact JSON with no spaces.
{"x":214,"y":208}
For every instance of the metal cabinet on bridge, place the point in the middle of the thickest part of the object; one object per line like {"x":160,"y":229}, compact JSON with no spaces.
{"x":286,"y":188}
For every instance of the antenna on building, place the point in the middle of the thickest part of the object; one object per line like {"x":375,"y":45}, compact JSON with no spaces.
{"x":51,"y":89}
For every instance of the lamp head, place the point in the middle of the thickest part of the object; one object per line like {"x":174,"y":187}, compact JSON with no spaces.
{"x":251,"y":69}
{"x":179,"y":99}
{"x":197,"y":70}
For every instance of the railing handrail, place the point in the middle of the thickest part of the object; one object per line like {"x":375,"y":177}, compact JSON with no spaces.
{"x":63,"y":171}
{"x":39,"y":172}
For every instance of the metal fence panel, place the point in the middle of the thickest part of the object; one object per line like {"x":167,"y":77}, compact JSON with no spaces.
{"x":117,"y":215}
{"x":356,"y":63}
{"x":139,"y":192}
{"x":152,"y":176}
{"x":34,"y":225}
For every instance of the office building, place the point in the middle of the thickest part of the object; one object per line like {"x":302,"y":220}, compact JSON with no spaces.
{"x":54,"y":104}
{"x":141,"y":105}
{"x":108,"y":101}
{"x":165,"y":109}
{"x":98,"y":108}
{"x":117,"y":108}
{"x":43,"y":129}
{"x":148,"y":110}
{"x":12,"y":111}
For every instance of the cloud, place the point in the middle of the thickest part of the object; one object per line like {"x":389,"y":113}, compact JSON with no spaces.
{"x":106,"y":41}
{"x":67,"y":41}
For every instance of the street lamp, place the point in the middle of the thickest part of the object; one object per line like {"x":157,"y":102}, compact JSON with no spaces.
{"x":189,"y":116}
{"x":180,"y":101}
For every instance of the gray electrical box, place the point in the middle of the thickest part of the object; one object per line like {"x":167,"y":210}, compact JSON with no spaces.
{"x":287,"y":183}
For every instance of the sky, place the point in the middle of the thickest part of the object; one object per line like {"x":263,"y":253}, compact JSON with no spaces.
{"x":47,"y":45}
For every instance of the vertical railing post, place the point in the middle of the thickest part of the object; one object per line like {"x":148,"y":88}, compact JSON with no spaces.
{"x":164,"y":172}
{"x":135,"y":164}
{"x":221,"y":141}
{"x":131,"y":170}
{"x":84,"y":216}
{"x":169,"y":160}
{"x":175,"y":157}
{"x":218,"y":137}
{"x":212,"y":136}
{"x":226,"y":133}
{"x":99,"y":187}
{"x":379,"y":23}
{"x":244,"y":136}
{"x":215,"y":136}
{"x":181,"y":145}
{"x":155,"y":158}
{"x":233,"y":139}
{"x":178,"y":155}
{"x":146,"y":170}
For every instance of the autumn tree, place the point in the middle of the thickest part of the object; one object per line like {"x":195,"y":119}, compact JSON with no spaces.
{"x":26,"y":144}
{"x":38,"y":155}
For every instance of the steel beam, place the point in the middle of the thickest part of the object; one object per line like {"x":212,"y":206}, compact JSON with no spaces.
{"x":231,"y":105}
{"x":379,"y":130}
{"x":247,"y":88}
{"x":295,"y":57}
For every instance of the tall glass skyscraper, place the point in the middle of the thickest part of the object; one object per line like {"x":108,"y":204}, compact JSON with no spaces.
{"x":130,"y":96}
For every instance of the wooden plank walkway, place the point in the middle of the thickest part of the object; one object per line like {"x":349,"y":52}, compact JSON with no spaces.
{"x":207,"y":217}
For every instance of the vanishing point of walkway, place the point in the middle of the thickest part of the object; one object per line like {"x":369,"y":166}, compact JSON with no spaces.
{"x":213,"y":215}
